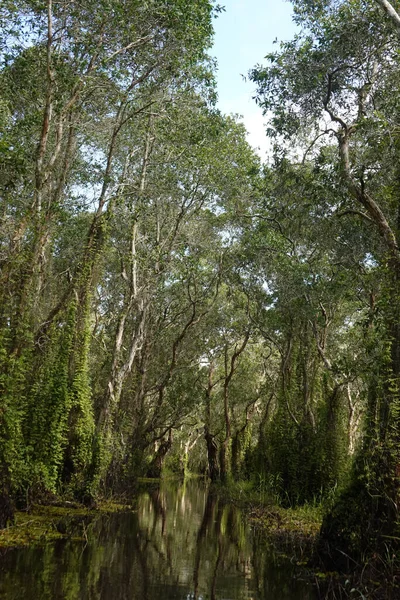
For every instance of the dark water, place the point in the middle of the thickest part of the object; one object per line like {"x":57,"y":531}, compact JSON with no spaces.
{"x":181,"y":544}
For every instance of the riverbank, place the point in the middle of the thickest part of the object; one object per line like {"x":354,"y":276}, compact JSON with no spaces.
{"x":47,"y":523}
{"x":266,"y":514}
{"x":294,"y":533}
{"x":291,"y":533}
{"x":180,"y":541}
{"x":50,"y":522}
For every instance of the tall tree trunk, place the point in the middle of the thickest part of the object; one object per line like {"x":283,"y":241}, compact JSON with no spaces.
{"x":212,"y":448}
{"x":230,"y":367}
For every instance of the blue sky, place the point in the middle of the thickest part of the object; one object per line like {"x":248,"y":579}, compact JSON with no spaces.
{"x":244,"y":34}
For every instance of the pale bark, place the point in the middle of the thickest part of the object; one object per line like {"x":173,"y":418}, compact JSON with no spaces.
{"x":357,"y":190}
{"x":230,"y":368}
{"x":134,"y":299}
{"x":284,"y":371}
{"x":391,"y":12}
{"x":372,"y":207}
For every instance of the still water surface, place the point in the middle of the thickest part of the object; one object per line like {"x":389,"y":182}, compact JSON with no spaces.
{"x":182,"y":543}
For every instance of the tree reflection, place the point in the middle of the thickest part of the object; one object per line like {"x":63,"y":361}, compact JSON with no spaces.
{"x":183,"y":542}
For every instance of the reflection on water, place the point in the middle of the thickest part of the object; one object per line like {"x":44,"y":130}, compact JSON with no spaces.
{"x":182,"y":544}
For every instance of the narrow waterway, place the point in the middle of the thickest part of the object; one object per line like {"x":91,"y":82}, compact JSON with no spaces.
{"x":182,"y":543}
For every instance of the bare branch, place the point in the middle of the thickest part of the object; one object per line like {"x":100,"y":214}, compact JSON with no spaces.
{"x":326,"y":101}
{"x":134,"y":44}
{"x":311,"y":146}
{"x":48,"y":110}
{"x":354,"y":212}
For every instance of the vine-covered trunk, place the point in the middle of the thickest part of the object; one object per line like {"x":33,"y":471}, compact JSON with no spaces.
{"x":156,"y":464}
{"x":366,"y":514}
{"x":211,"y":444}
{"x":389,"y":418}
{"x":212,"y":456}
{"x":225,"y":450}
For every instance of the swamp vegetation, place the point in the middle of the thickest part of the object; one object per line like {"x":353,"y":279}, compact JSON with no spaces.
{"x":222,"y":558}
{"x":168,"y":303}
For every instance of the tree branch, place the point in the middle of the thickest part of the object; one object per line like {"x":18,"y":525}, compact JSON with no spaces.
{"x":391,"y":12}
{"x":326,"y":101}
{"x":134,"y":44}
{"x":354,"y":212}
{"x":311,"y":146}
{"x":374,"y":210}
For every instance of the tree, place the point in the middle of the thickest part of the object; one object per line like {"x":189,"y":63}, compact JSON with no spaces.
{"x":337,"y":80}
{"x":97,"y":72}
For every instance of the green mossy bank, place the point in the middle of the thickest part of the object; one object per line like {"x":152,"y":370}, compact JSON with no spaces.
{"x":45,"y":524}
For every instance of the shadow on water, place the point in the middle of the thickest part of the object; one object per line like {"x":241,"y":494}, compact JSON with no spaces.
{"x":182,"y":543}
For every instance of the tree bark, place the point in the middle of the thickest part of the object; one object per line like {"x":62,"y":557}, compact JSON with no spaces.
{"x":230,"y":369}
{"x":391,"y":12}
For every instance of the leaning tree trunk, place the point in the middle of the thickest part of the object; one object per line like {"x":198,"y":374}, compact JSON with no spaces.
{"x":156,"y":464}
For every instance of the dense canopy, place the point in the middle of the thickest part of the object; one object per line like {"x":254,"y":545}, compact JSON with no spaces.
{"x":168,"y":303}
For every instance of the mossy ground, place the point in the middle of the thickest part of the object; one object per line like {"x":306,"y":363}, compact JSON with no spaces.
{"x":303,"y":521}
{"x":50,"y":522}
{"x":294,"y":533}
{"x":266,"y":514}
{"x":46,"y":523}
